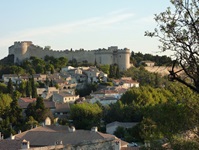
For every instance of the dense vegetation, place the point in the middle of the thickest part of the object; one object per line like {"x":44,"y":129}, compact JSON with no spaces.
{"x":137,"y":58}
{"x":34,"y":65}
{"x":164,"y":110}
{"x":178,"y":32}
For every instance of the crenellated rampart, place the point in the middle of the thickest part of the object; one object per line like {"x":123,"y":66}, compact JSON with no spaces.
{"x":25,"y":49}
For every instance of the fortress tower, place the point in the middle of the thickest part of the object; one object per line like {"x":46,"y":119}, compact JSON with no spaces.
{"x":19,"y":50}
{"x":25,"y":49}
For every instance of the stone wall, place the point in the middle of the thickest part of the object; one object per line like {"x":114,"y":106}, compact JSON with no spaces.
{"x":25,"y":49}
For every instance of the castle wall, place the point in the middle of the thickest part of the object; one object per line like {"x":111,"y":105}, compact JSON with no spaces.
{"x":104,"y":57}
{"x":24,"y":50}
{"x":123,"y":59}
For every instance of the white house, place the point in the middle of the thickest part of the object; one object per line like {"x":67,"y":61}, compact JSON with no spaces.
{"x":111,"y":127}
{"x":107,"y":100}
{"x":46,"y":93}
{"x":6,"y":77}
{"x":64,"y":97}
{"x":65,"y":69}
{"x":126,"y":82}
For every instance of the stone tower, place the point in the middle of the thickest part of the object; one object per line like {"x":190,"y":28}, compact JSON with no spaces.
{"x":19,"y":50}
{"x":25,"y":49}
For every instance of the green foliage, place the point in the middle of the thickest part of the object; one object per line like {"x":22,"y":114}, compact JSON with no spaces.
{"x":10,"y":87}
{"x":39,"y":66}
{"x":181,"y":144}
{"x":136,"y":59}
{"x":30,"y":111}
{"x":9,"y":60}
{"x":22,"y":88}
{"x":5,"y":100}
{"x":119,"y":112}
{"x":107,"y":83}
{"x":148,"y":129}
{"x":86,"y":115}
{"x":145,"y":78}
{"x":31,"y":122}
{"x":114,"y":71}
{"x":33,"y":88}
{"x":146,"y":96}
{"x":3,"y":88}
{"x":40,"y":103}
{"x":38,"y":110}
{"x":15,"y":113}
{"x":120,"y":132}
{"x":104,"y":68}
{"x":177,"y":30}
{"x":87,"y":90}
{"x":28,"y":89}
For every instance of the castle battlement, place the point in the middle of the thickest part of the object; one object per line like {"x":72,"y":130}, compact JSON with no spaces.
{"x":25,"y":49}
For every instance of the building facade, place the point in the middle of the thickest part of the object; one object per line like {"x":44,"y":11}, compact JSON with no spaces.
{"x":25,"y":49}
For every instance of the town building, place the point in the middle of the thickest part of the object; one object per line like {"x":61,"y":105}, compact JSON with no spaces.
{"x":62,"y":137}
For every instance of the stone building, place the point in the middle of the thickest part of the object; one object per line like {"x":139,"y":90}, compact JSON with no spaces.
{"x":62,"y":138}
{"x":25,"y":49}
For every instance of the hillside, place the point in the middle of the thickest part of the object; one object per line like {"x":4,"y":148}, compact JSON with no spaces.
{"x":162,"y":70}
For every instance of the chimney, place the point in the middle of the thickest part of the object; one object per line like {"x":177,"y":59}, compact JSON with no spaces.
{"x":117,"y":145}
{"x":72,"y":129}
{"x":25,"y":144}
{"x":94,"y":129}
{"x":12,"y":137}
{"x":19,"y":131}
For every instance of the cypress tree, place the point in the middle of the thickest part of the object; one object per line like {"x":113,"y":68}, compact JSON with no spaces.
{"x":10,"y":87}
{"x":28,"y":89}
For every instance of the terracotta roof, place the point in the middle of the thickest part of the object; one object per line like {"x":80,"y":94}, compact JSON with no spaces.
{"x":28,"y":99}
{"x":47,"y":135}
{"x":24,"y":104}
{"x":62,"y":107}
{"x":10,"y":144}
{"x":49,"y":104}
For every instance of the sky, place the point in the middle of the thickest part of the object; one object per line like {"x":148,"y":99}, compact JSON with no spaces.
{"x":87,"y":24}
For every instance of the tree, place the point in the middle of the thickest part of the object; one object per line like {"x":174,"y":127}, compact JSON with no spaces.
{"x":28,"y":89}
{"x":178,"y":31}
{"x":86,"y":115}
{"x":105,"y":68}
{"x":3,"y":88}
{"x":10,"y":87}
{"x":114,"y":71}
{"x":33,"y":87}
{"x":15,"y":110}
{"x":40,"y":103}
{"x":5,"y":101}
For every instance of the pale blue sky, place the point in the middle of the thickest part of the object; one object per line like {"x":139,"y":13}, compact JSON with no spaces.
{"x":88,"y":24}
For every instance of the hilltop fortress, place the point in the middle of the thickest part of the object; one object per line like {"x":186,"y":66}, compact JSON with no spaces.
{"x":25,"y":49}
